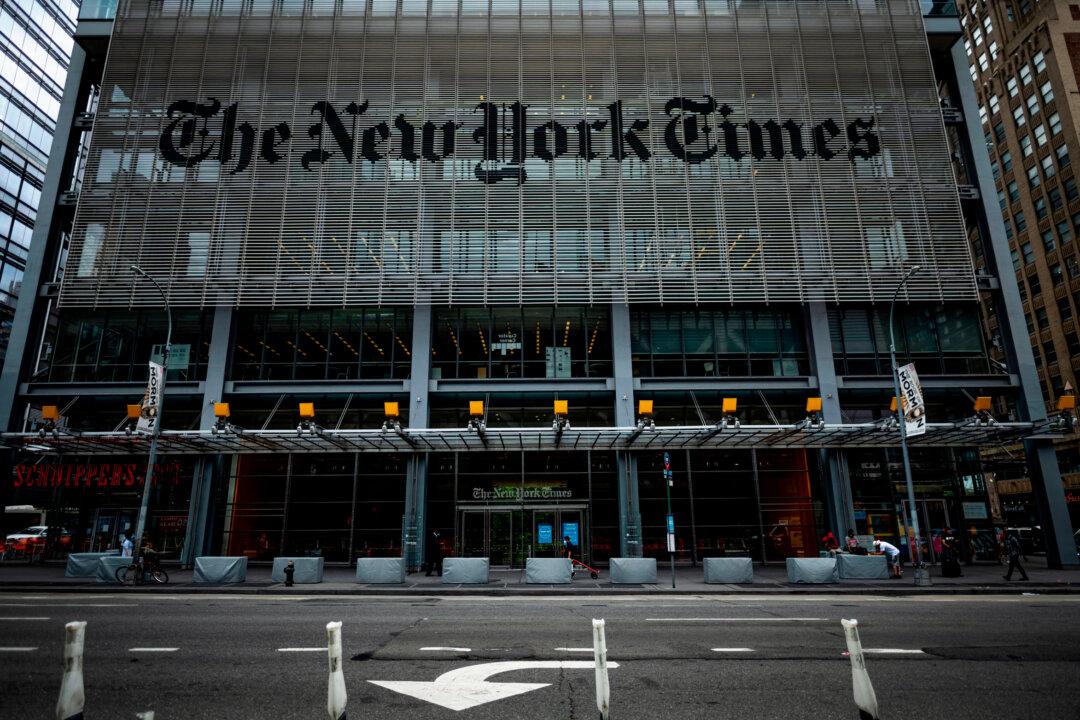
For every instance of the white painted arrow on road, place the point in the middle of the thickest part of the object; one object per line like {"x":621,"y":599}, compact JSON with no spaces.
{"x":468,"y":687}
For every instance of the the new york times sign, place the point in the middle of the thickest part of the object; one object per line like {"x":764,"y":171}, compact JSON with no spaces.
{"x":697,"y":129}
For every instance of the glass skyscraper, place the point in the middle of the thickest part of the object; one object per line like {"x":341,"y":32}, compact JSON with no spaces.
{"x":35,"y":47}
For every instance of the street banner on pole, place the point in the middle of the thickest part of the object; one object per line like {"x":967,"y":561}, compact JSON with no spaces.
{"x":151,"y":400}
{"x":912,"y":400}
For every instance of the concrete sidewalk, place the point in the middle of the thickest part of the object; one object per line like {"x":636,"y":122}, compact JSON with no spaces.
{"x":979,"y":578}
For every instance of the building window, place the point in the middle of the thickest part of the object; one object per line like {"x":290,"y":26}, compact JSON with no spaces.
{"x":943,"y":339}
{"x":984,"y":62}
{"x":995,"y":105}
{"x":1029,"y":253}
{"x":1047,"y":92}
{"x":1014,"y":191}
{"x":1070,"y":189}
{"x":1025,"y":75}
{"x":1054,"y":194}
{"x":1018,"y":117}
{"x":1015,"y":255}
{"x":1033,"y":177}
{"x":1072,"y":263}
{"x":1013,"y":87}
{"x":1041,"y":318}
{"x":1048,"y":167}
{"x":1033,"y":106}
{"x":1057,"y":276}
{"x":372,"y":343}
{"x":1001,"y":200}
{"x":1025,"y":145}
{"x":1048,"y":241}
{"x":1064,"y":231}
{"x":1034,"y":284}
{"x":1040,"y":135}
{"x":1040,"y":208}
{"x":719,"y":343}
{"x":1006,"y":161}
{"x":999,"y":132}
{"x":993,"y":47}
{"x":1040,"y":61}
{"x":1021,"y":221}
{"x":1049,"y":353}
{"x":1062,"y":153}
{"x":1055,"y":123}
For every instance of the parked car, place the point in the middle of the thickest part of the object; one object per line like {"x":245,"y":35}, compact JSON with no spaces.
{"x":33,"y":537}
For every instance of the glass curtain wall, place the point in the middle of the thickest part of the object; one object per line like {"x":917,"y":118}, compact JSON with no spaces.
{"x":338,"y":506}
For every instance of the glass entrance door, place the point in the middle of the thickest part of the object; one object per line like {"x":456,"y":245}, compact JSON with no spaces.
{"x":509,"y":536}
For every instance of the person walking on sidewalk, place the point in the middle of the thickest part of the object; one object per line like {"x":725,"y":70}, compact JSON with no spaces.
{"x":1014,"y":550}
{"x":434,"y":559}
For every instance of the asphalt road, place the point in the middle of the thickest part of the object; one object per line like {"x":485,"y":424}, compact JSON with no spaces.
{"x":678,"y":657}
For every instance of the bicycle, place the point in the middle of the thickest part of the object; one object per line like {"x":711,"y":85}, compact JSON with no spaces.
{"x":140,"y":572}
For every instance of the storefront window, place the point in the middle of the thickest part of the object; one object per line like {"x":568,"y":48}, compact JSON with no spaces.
{"x":331,"y":506}
{"x":708,"y":343}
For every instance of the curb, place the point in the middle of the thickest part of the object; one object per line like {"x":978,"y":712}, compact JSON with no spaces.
{"x":280,"y":590}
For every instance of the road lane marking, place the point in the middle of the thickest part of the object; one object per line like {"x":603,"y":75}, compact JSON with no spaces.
{"x":74,"y":605}
{"x":17,"y":649}
{"x":24,"y":618}
{"x":733,"y":650}
{"x":581,"y":650}
{"x":892,"y":651}
{"x":153,"y":649}
{"x":468,"y":687}
{"x":736,"y":619}
{"x":446,"y":649}
{"x":302,"y":649}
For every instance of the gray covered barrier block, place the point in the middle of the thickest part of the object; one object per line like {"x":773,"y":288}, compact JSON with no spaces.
{"x":86,"y":564}
{"x":108,"y":565}
{"x":470,"y":571}
{"x":729,"y":570}
{"x":380,"y":571}
{"x":812,"y":570}
{"x":862,"y":567}
{"x":547,"y":571}
{"x":633,"y":571}
{"x":219,"y":570}
{"x":307,"y":570}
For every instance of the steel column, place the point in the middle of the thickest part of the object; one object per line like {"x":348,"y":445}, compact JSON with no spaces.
{"x":415,"y":530}
{"x":626,"y":462}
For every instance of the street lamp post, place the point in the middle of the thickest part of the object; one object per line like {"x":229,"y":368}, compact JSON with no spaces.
{"x":140,"y":526}
{"x":922,"y":577}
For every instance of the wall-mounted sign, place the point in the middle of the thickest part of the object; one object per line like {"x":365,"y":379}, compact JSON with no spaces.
{"x":515,"y":493}
{"x":507,"y":342}
{"x":93,"y":476}
{"x":179,"y":356}
{"x":912,"y":398}
{"x":570,"y":529}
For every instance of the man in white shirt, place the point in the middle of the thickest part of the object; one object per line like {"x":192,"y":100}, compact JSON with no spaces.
{"x":126,"y":546}
{"x":892,"y":556}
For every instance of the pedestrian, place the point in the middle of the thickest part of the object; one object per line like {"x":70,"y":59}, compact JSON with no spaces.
{"x":853,"y":546}
{"x":950,"y":555}
{"x":892,"y":557}
{"x":999,"y":544}
{"x":830,"y":543}
{"x":434,"y":557}
{"x":568,"y":548}
{"x":1014,"y":550}
{"x":126,"y":546}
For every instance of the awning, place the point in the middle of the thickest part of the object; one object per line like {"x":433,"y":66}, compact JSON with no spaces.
{"x":800,"y":435}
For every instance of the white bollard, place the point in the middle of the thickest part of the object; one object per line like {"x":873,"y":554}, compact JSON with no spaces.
{"x":335,"y":691}
{"x":865,"y":699}
{"x":72,"y":696}
{"x":603,"y":688}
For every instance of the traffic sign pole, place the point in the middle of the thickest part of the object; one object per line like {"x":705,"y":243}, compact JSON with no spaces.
{"x":668,"y":481}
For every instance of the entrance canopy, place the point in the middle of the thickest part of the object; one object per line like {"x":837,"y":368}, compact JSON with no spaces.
{"x":799,"y":435}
